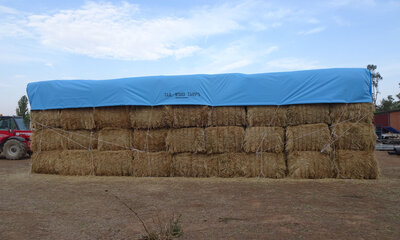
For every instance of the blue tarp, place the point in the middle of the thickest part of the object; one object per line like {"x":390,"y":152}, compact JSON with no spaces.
{"x":340,"y":85}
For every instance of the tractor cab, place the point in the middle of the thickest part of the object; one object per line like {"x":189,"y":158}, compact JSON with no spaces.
{"x":14,"y":137}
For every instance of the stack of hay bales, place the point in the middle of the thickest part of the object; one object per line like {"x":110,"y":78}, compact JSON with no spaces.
{"x":297,"y":141}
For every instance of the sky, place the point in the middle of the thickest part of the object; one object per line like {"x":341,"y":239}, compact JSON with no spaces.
{"x":62,"y":40}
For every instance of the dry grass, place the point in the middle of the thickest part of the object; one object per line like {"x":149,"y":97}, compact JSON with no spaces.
{"x":308,"y":114}
{"x":81,"y":139}
{"x":152,"y":140}
{"x":113,"y":139}
{"x":308,"y":137}
{"x":354,"y":136}
{"x":77,"y":118}
{"x":224,"y":139}
{"x":270,"y":165}
{"x":186,"y":140}
{"x":151,"y":164}
{"x":189,"y":116}
{"x":310,"y":164}
{"x":74,"y":162}
{"x":48,"y":139}
{"x":150,"y":117}
{"x":113,"y":163}
{"x":356,"y":164}
{"x":193,"y":165}
{"x":227,"y":116}
{"x":112,"y":117}
{"x":48,"y":118}
{"x":268,"y":116}
{"x":44,"y":162}
{"x":264,"y":139}
{"x":353,"y":112}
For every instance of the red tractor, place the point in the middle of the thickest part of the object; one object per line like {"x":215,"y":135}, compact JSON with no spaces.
{"x":14,"y":137}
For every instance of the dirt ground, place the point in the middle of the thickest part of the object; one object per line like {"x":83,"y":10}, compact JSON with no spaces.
{"x":34,"y":206}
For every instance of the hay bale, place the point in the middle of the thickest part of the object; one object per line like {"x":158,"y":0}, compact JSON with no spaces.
{"x":186,"y":140}
{"x":354,"y":136}
{"x":269,"y":165}
{"x":113,"y":117}
{"x":81,"y":139}
{"x":267,"y":116}
{"x":308,"y":114}
{"x":189,"y":116}
{"x":150,"y":117}
{"x":153,"y":140}
{"x":224,"y":139}
{"x":264,"y":139}
{"x":45,"y":118}
{"x":310,"y":164}
{"x":353,"y":112}
{"x":49,"y":139}
{"x":356,"y":164}
{"x":74,"y":162}
{"x":308,"y":137}
{"x":193,"y":165}
{"x":151,"y":164}
{"x":44,"y":161}
{"x":227,"y":116}
{"x":113,"y":163}
{"x":235,"y":165}
{"x":114,"y":139}
{"x":77,"y":118}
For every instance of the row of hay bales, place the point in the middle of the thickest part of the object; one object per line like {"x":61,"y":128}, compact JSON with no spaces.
{"x":299,"y":141}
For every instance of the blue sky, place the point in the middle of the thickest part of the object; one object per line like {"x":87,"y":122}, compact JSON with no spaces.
{"x":46,"y":40}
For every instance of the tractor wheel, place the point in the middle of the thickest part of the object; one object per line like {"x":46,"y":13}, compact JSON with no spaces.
{"x":14,"y":149}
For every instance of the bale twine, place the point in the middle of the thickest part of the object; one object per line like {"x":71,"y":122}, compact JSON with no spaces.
{"x":310,"y":164}
{"x":357,"y":164}
{"x":77,"y":118}
{"x":308,"y":114}
{"x":114,"y":139}
{"x":353,"y":112}
{"x":264,"y":139}
{"x":186,"y":140}
{"x":227,"y":116}
{"x":354,"y":136}
{"x":269,"y":116}
{"x":308,"y":137}
{"x":112,"y":117}
{"x":151,"y":164}
{"x":48,"y":118}
{"x":113,"y":163}
{"x":150,"y":117}
{"x":189,"y":116}
{"x":224,"y":139}
{"x":152,"y":140}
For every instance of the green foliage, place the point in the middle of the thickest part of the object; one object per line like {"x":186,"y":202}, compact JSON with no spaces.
{"x":23,"y":110}
{"x":376,"y":78}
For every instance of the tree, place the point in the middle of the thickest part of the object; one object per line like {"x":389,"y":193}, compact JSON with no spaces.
{"x":376,"y":78}
{"x":23,"y":110}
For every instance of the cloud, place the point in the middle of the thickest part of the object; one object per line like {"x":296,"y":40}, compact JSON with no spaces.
{"x":357,"y":3}
{"x":120,"y":31}
{"x":312,"y":31}
{"x":290,"y":64}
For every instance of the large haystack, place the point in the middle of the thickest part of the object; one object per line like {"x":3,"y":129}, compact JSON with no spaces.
{"x":150,"y":117}
{"x":227,"y":116}
{"x":264,"y":139}
{"x":115,"y":139}
{"x":49,"y":139}
{"x":193,"y":165}
{"x":81,"y":139}
{"x":151,"y":164}
{"x":269,"y":116}
{"x":186,"y":140}
{"x":75,"y":162}
{"x":113,"y":163}
{"x":308,"y":137}
{"x":45,"y":161}
{"x":152,"y":140}
{"x":224,"y":139}
{"x":189,"y":116}
{"x":269,"y":165}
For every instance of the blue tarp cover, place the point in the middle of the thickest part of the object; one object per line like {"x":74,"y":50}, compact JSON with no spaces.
{"x":340,"y":85}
